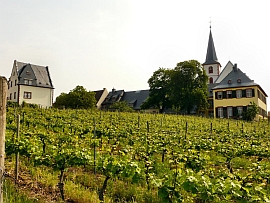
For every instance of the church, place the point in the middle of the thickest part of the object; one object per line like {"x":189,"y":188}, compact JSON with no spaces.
{"x":230,"y":90}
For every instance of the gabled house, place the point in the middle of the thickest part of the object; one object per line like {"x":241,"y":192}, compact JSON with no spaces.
{"x":100,"y":96}
{"x":230,"y":90}
{"x":30,"y":83}
{"x":136,"y":98}
{"x":133,"y":98}
{"x":113,"y":96}
{"x":234,"y":94}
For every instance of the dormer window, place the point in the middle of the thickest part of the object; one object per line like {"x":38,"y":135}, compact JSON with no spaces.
{"x":229,"y":81}
{"x":27,"y":72}
{"x":210,"y":69}
{"x":27,"y":82}
{"x":239,"y":80}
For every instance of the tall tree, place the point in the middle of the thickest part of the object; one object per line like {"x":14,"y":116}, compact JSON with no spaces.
{"x":189,"y":86}
{"x":159,"y":84}
{"x":79,"y":97}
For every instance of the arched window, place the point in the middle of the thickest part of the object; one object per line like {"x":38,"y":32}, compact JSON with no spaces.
{"x":210,"y":69}
{"x":211,"y":80}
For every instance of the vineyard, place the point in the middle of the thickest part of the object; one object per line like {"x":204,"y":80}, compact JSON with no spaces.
{"x":94,"y":156}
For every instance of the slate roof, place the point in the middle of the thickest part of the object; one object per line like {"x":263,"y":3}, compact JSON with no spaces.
{"x":136,"y":98}
{"x":211,"y":56}
{"x":210,"y":87}
{"x":41,"y":74}
{"x":113,"y":96}
{"x":98,"y":94}
{"x":234,"y":76}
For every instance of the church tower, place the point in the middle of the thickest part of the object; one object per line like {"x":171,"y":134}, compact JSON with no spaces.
{"x":211,"y":64}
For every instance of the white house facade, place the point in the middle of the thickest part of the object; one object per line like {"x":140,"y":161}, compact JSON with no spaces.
{"x":30,"y":83}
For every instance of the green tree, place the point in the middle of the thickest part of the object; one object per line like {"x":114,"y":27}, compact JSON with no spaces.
{"x":159,"y":84}
{"x":251,"y":112}
{"x":79,"y":97}
{"x":189,"y":86}
{"x":121,"y":106}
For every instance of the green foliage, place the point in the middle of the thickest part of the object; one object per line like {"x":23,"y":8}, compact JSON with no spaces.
{"x":183,"y":88}
{"x":189,"y":86}
{"x":159,"y":156}
{"x":121,"y":106}
{"x":78,"y":98}
{"x":159,"y":84}
{"x":251,"y":112}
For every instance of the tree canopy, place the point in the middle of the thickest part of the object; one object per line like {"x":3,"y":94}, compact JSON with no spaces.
{"x":159,"y":85}
{"x":189,"y":86}
{"x":182,"y":88}
{"x":79,"y":97}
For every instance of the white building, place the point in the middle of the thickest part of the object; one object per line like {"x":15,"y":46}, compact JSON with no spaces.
{"x":30,"y":83}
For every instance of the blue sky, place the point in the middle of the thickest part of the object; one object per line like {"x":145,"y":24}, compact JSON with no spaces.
{"x":119,"y":44}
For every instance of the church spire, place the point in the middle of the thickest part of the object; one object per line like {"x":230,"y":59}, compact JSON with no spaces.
{"x":211,"y":57}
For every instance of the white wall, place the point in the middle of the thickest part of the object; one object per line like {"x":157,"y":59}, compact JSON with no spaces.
{"x":40,"y":96}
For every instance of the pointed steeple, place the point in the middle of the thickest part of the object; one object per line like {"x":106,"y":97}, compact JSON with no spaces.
{"x":211,"y":56}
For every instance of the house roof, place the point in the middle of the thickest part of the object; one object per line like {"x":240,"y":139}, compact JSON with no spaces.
{"x":210,"y":87}
{"x":98,"y":94}
{"x":42,"y":75}
{"x":228,"y":66}
{"x":211,"y":56}
{"x":236,"y":78}
{"x":136,"y":98}
{"x":113,"y":96}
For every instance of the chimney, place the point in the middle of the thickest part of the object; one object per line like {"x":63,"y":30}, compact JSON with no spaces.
{"x":113,"y":90}
{"x":235,"y":69}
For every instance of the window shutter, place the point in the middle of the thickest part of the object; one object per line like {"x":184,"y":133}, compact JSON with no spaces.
{"x":253,"y":93}
{"x":244,"y":93}
{"x":224,"y":95}
{"x":225,"y":112}
{"x":234,"y":94}
{"x":216,"y":95}
{"x":235,"y":111}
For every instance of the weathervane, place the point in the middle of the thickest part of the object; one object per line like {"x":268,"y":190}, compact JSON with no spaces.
{"x":210,"y":22}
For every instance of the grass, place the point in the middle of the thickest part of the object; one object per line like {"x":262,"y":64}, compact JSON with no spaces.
{"x":13,"y":195}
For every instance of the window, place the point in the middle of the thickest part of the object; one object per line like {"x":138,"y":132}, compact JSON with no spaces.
{"x":14,"y":95}
{"x":27,"y":95}
{"x":229,"y":94}
{"x":10,"y":83}
{"x":238,"y":93}
{"x":27,"y":82}
{"x":211,"y":80}
{"x":27,"y":72}
{"x":210,"y":69}
{"x":230,"y":112}
{"x":249,"y":93}
{"x":239,"y":80}
{"x":15,"y":82}
{"x":220,"y":112}
{"x":229,"y":81}
{"x":239,"y":110}
{"x":10,"y":96}
{"x":219,"y":95}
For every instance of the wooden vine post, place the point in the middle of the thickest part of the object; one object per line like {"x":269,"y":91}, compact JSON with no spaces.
{"x":3,"y":101}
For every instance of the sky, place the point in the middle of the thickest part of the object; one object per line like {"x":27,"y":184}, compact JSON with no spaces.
{"x":120,"y":43}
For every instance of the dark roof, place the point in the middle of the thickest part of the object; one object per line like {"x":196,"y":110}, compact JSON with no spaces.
{"x":235,"y":75}
{"x":210,"y":87}
{"x":136,"y":98}
{"x":113,"y":96}
{"x":98,"y":94}
{"x":211,"y":57}
{"x":41,"y":74}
